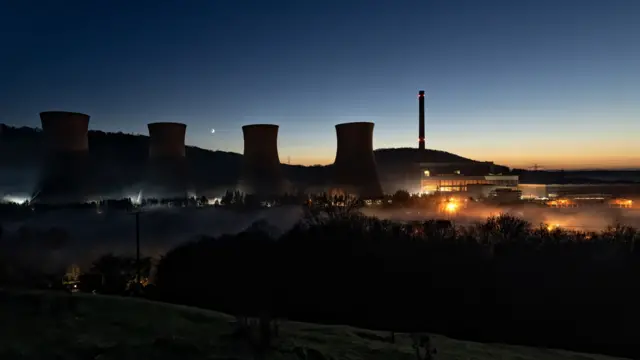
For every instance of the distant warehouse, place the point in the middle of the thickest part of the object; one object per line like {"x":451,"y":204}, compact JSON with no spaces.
{"x":583,"y":191}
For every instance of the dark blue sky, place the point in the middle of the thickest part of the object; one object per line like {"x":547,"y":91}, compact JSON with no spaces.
{"x":555,"y":82}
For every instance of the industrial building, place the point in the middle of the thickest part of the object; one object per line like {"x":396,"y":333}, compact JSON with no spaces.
{"x":261,"y":173}
{"x":474,"y":179}
{"x":66,"y":175}
{"x":584,"y":191}
{"x":438,"y":177}
{"x":168,"y":175}
{"x":354,"y":167}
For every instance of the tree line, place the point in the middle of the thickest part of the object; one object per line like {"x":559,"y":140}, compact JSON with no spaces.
{"x":501,"y":281}
{"x":231,"y":198}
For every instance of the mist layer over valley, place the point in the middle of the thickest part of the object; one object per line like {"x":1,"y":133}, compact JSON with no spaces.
{"x":56,"y":239}
{"x":579,"y":219}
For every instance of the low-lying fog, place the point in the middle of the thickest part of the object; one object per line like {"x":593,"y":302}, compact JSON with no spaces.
{"x":91,"y":234}
{"x":582,"y":219}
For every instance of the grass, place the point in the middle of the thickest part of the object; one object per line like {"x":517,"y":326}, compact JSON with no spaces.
{"x":47,"y":325}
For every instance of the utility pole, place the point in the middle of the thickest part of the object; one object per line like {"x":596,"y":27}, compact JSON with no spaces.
{"x":137,"y":249}
{"x":138,"y":265}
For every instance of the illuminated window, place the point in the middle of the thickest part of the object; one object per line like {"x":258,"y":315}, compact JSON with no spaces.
{"x":427,"y":173}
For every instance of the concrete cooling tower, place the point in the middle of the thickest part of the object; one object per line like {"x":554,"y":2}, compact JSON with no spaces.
{"x":355,"y":166}
{"x":168,"y":172}
{"x":262,"y":173}
{"x":66,"y":175}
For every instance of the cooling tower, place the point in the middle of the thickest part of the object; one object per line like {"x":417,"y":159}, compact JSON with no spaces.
{"x":66,"y":175}
{"x":262,"y":174}
{"x":66,"y":132}
{"x":168,"y":171}
{"x":355,"y":166}
{"x":167,"y":140}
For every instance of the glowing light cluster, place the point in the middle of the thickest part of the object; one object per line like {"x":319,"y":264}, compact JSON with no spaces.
{"x":136,"y":199}
{"x":560,"y":203}
{"x":214,"y":201}
{"x":551,"y":227}
{"x":623,"y":202}
{"x":451,"y":207}
{"x":13,"y":199}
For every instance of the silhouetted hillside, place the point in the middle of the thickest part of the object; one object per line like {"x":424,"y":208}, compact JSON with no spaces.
{"x":413,"y":155}
{"x":121,"y":159}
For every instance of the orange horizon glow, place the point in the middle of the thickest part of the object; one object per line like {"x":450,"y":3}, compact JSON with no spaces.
{"x":545,"y":163}
{"x":551,"y":140}
{"x":513,"y":153}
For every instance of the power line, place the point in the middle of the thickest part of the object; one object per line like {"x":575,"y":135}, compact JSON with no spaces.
{"x":535,"y":167}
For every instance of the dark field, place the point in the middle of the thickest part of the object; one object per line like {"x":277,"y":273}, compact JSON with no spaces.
{"x":47,"y":325}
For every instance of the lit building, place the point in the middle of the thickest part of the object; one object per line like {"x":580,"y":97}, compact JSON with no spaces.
{"x":442,"y":178}
{"x":583,"y":191}
{"x":505,"y":195}
{"x":580,"y":195}
{"x":621,"y":203}
{"x":462,"y":183}
{"x":534,"y":191}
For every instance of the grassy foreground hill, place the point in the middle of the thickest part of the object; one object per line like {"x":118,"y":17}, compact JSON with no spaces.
{"x":44,"y":325}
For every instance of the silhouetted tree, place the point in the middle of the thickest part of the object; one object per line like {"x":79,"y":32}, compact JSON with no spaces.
{"x":227,"y":198}
{"x":401,"y":197}
{"x":119,"y":273}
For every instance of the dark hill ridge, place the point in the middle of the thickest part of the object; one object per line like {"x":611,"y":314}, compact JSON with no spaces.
{"x":122,"y":160}
{"x":413,"y":155}
{"x":123,"y":157}
{"x":29,"y":142}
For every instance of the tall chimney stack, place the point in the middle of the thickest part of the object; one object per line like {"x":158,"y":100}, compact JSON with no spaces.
{"x":421,"y":120}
